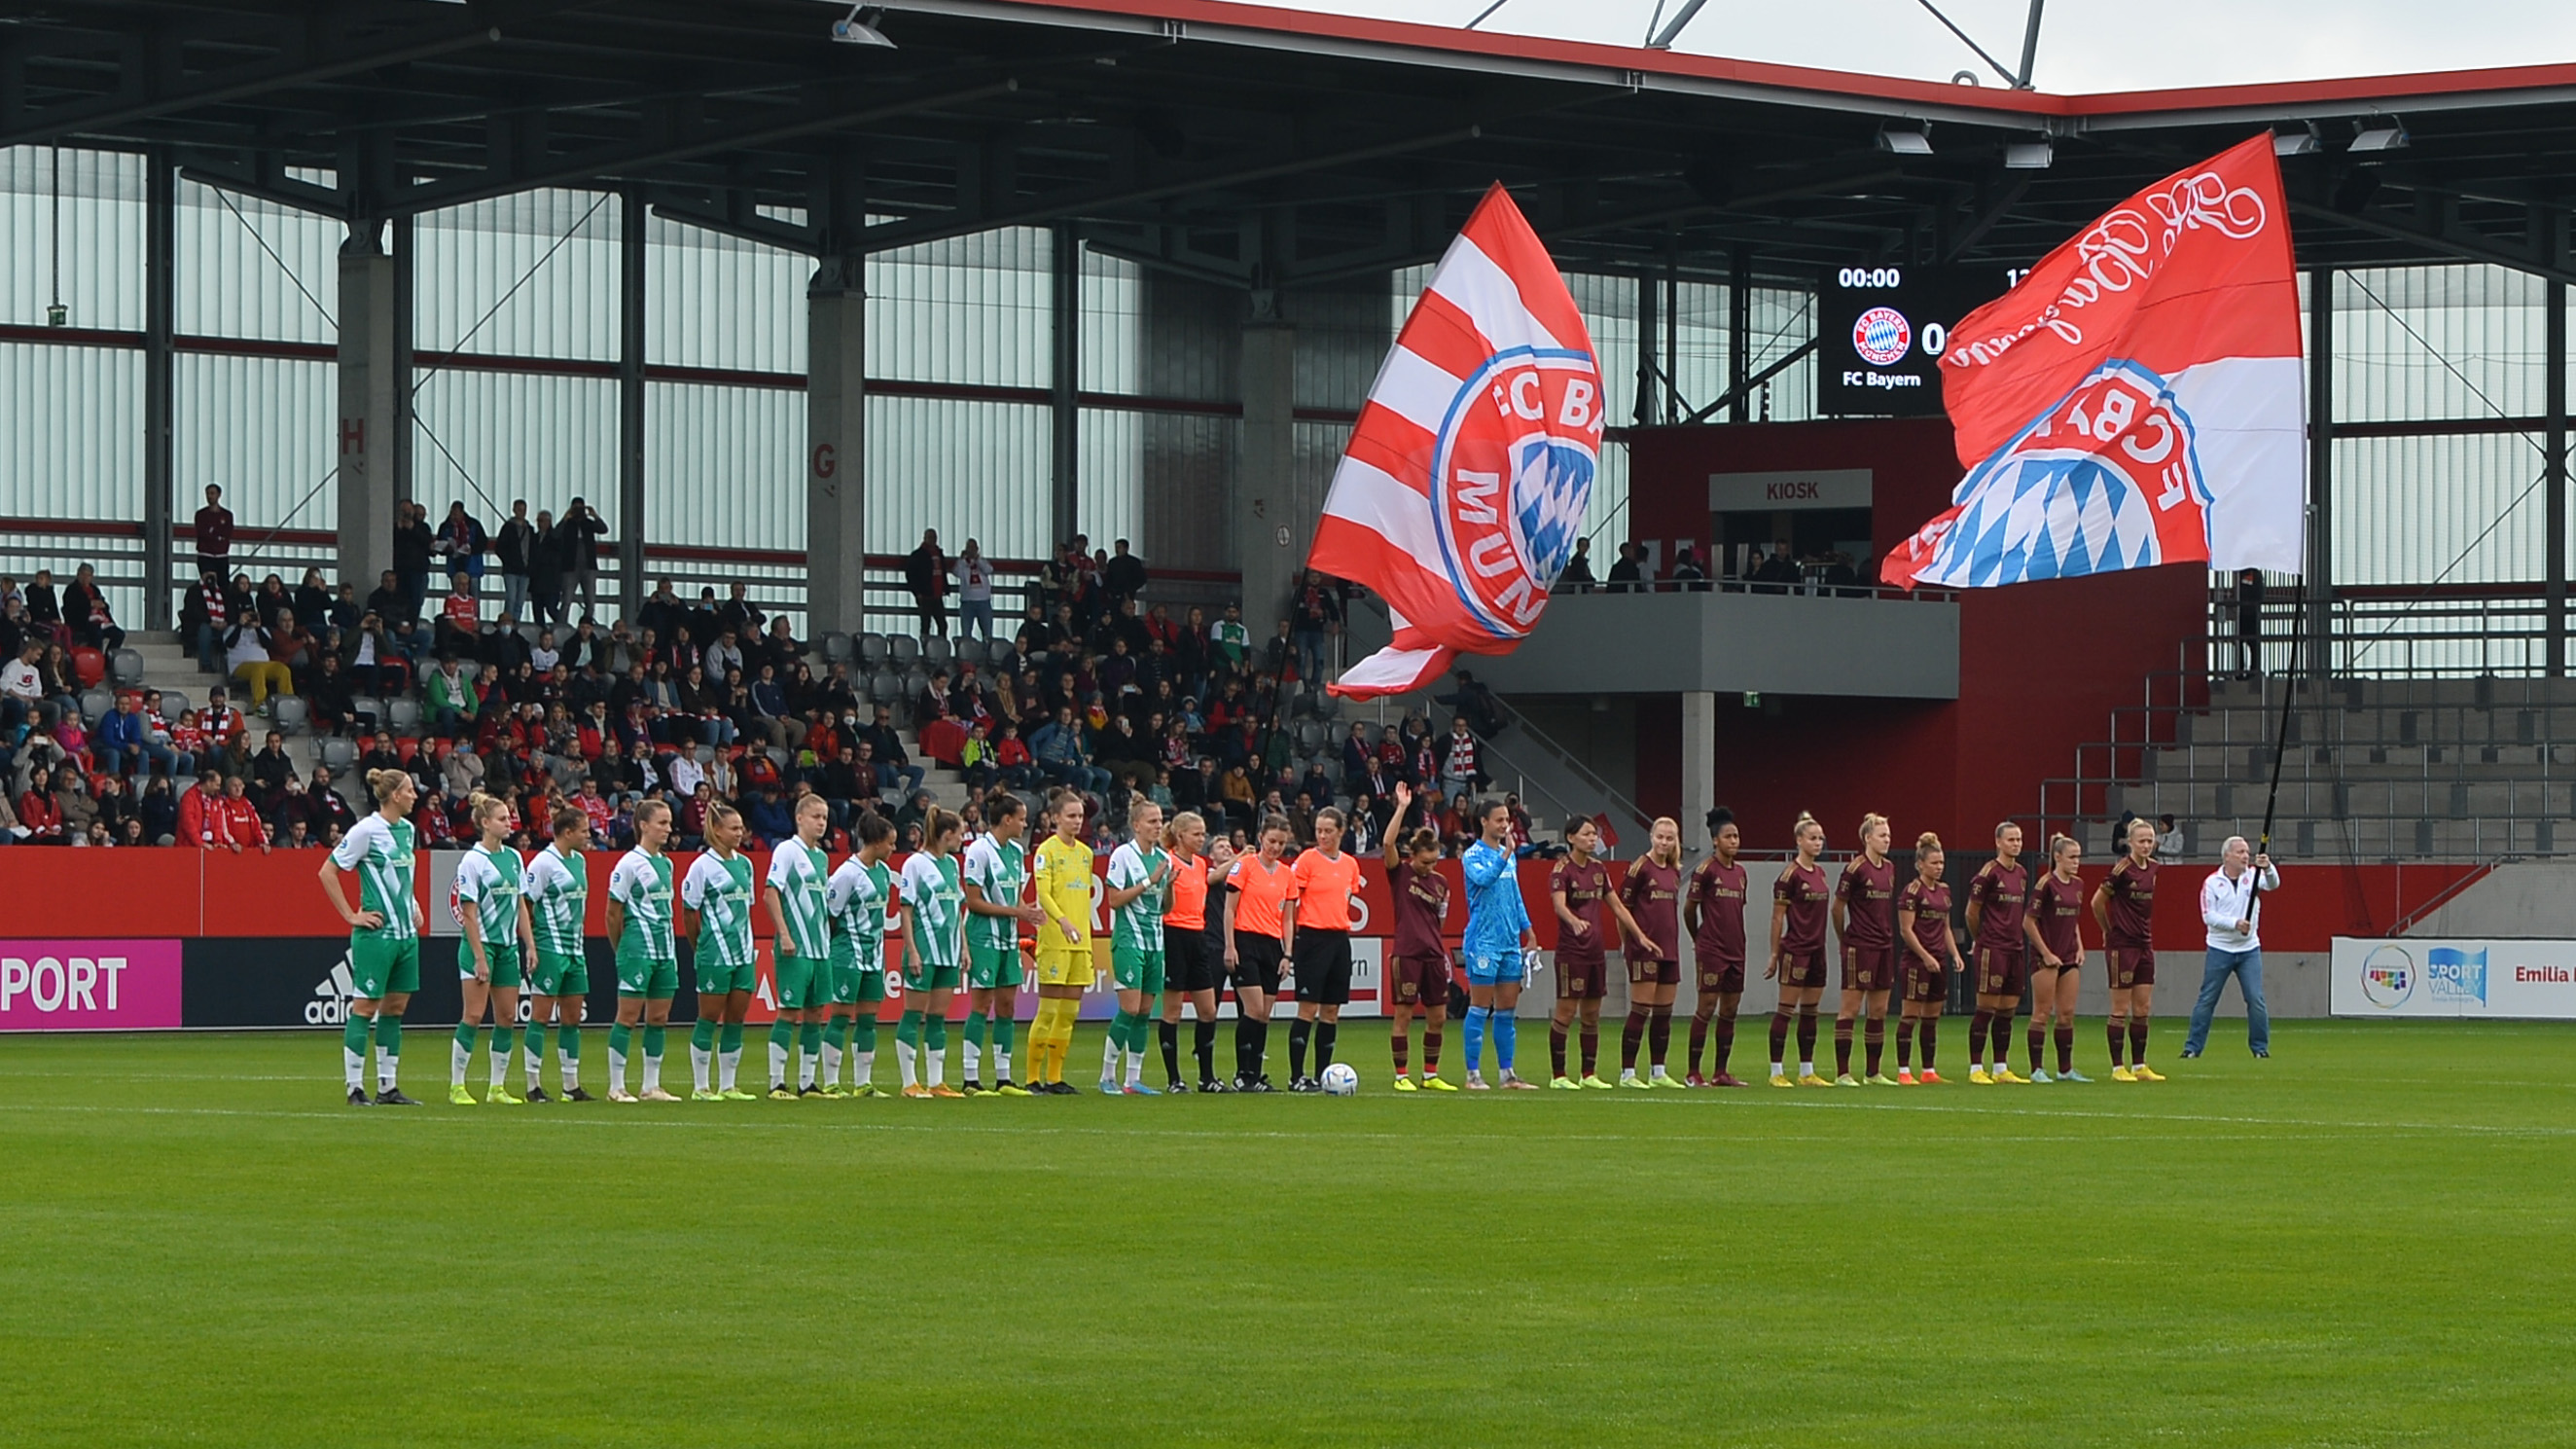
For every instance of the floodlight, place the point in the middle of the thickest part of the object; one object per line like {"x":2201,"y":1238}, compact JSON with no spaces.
{"x":2296,"y":143}
{"x":2389,"y":137}
{"x":851,"y":30}
{"x":1905,"y":143}
{"x":2028,"y":155}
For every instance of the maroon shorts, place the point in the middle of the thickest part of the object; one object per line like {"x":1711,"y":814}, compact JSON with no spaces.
{"x":1800,"y":969}
{"x":1580,"y":980}
{"x":1726,"y":978}
{"x":2001,"y":972}
{"x":2131,"y":966}
{"x":1925,"y":983}
{"x":1869,"y":968}
{"x":1419,"y":981}
{"x":1646,"y":970}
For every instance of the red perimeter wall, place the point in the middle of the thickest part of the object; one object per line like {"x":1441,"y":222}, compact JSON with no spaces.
{"x":2040,"y":665}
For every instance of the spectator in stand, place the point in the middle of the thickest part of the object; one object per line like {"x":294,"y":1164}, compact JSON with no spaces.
{"x":232,"y":821}
{"x":85,"y":612}
{"x":460,"y":544}
{"x":1688,"y":573}
{"x":582,"y":533}
{"x":22,"y":690}
{"x":1459,"y":769}
{"x":122,"y":739}
{"x":1576,"y":576}
{"x":38,"y":816}
{"x":925,"y":572}
{"x":1065,"y":756}
{"x":412,"y":544}
{"x":1628,"y":574}
{"x":1230,"y":641}
{"x":450,"y":700}
{"x":460,"y":619}
{"x":1011,"y":757}
{"x":247,"y":661}
{"x":158,"y":812}
{"x":1779,"y":573}
{"x":288,"y":644}
{"x":515,"y":547}
{"x":388,"y":600}
{"x":214,"y":533}
{"x":2249,"y":622}
{"x":312,"y":600}
{"x":974,"y":593}
{"x":1317,"y":614}
{"x":545,"y":570}
{"x":323,"y":806}
{"x":1123,"y":576}
{"x":894,"y":767}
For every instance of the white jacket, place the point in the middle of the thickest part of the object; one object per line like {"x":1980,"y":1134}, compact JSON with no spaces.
{"x":2224,"y":902}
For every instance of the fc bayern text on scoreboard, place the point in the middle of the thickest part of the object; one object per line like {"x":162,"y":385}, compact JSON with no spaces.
{"x":1881,"y":331}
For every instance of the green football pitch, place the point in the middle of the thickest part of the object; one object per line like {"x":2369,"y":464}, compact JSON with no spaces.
{"x":2364,"y":1241}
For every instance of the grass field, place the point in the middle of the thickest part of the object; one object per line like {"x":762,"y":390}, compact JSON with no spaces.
{"x":2364,"y":1241}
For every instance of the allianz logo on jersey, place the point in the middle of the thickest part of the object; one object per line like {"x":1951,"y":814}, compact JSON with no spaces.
{"x":332,"y":995}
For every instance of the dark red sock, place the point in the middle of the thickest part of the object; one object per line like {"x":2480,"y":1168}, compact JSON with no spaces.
{"x":1556,"y":1049}
{"x":1779,"y":1034}
{"x":2118,"y":1032}
{"x":1874,"y":1036}
{"x":1431,"y":1051}
{"x":1592,"y":1050}
{"x":1403,"y":1051}
{"x":1807,"y":1034}
{"x":2138,"y":1041}
{"x":2038,"y":1042}
{"x":1842,"y":1046}
{"x":1931,"y":1037}
{"x":2065,"y":1048}
{"x":1698,"y":1041}
{"x":1629,"y":1035}
{"x":1977,"y":1036}
{"x":1904,"y":1042}
{"x":1659,"y":1035}
{"x":1725,"y":1044}
{"x":2002,"y":1030}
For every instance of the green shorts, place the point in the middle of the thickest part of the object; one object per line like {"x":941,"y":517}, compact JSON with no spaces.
{"x":870,"y":987}
{"x":843,"y":973}
{"x":504,"y":959}
{"x":715,"y":980}
{"x":561,"y":975}
{"x":1136,"y":970}
{"x":925,"y":977}
{"x":802,"y":982}
{"x":646,"y":977}
{"x":382,"y":966}
{"x":992,"y":968}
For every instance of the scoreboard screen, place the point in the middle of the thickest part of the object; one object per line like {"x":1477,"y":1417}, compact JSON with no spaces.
{"x":1882,"y":331}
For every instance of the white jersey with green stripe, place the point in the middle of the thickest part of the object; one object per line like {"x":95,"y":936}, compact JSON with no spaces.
{"x":558,"y":887}
{"x":931,"y":889}
{"x":857,"y":896}
{"x":488,"y":883}
{"x":797,"y":872}
{"x":719,"y":890}
{"x":642,"y":884}
{"x":380,"y":851}
{"x":1001,"y":871}
{"x":1138,"y":925}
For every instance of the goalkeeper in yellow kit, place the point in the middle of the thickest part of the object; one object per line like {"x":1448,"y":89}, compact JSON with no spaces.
{"x":1064,"y":941}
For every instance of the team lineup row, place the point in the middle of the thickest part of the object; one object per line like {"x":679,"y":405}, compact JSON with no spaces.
{"x":986,"y":920}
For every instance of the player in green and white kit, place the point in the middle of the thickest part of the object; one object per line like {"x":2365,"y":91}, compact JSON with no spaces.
{"x":648,"y":955}
{"x":718,"y":888}
{"x":798,"y":874}
{"x":1137,"y":892}
{"x":384,"y":935}
{"x":932,"y":893}
{"x":558,"y":893}
{"x":857,"y":896}
{"x":499,"y":949}
{"x":997,"y":906}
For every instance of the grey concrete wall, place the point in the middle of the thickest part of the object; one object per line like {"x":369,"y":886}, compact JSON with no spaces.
{"x":2520,"y":898}
{"x":1732,"y":643}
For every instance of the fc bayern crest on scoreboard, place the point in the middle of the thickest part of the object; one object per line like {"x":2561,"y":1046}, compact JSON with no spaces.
{"x":1512,"y":470}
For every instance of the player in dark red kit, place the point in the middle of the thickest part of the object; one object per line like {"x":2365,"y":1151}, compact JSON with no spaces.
{"x":1865,"y":922}
{"x":1585,"y":908}
{"x":1714,"y":914}
{"x":1418,"y":975}
{"x":1800,"y":902}
{"x":1923,"y":921}
{"x":1995,"y":901}
{"x":1652,"y":894}
{"x":2125,"y":906}
{"x":2055,"y":925}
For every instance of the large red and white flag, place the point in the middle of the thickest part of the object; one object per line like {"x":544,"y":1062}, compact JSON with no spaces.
{"x":1463,"y":488}
{"x":2136,"y":400}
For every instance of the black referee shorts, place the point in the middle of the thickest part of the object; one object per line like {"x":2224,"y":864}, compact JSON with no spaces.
{"x":1323,"y":967}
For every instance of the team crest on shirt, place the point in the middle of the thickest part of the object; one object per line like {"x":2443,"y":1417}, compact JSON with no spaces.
{"x":1511,"y":474}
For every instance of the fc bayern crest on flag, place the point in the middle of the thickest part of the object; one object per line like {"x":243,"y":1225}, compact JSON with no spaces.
{"x":1462,"y":492}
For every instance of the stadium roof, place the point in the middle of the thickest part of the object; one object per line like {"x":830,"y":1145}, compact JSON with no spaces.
{"x":1250,"y":145}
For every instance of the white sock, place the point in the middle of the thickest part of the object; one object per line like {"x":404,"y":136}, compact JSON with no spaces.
{"x":1001,"y":1065}
{"x":974,"y":1060}
{"x":459,"y":1057}
{"x":353,"y":1065}
{"x":388,"y":1069}
{"x":1776,"y":1071}
{"x":1109,"y":1063}
{"x":863,"y":1068}
{"x":1657,"y":1074}
{"x":903,"y":1059}
{"x":534,"y":1058}
{"x":805,"y":1064}
{"x":831,"y":1063}
{"x":616,"y":1071}
{"x":937,"y":1064}
{"x":777,"y":1066}
{"x":1135,"y":1068}
{"x":568,"y":1071}
{"x":699,"y":1060}
{"x":730,"y":1064}
{"x":1806,"y":1069}
{"x":501,"y":1069}
{"x":653,"y":1072}
{"x":1627,"y":1074}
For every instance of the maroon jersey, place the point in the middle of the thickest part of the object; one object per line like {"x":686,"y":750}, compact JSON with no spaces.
{"x":1926,"y":913}
{"x":2133,"y":904}
{"x":1808,"y":898}
{"x":1718,"y":890}
{"x":1421,"y":904}
{"x":1585,"y":888}
{"x":1999,"y":891}
{"x":1869,"y":904}
{"x":1654,"y":896}
{"x":2056,"y":907}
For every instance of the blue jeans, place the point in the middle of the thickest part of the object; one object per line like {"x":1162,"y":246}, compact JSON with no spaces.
{"x":514,"y":597}
{"x":210,"y":649}
{"x":1310,"y":656}
{"x":975,"y":619}
{"x":909,"y":777}
{"x":2247,"y":968}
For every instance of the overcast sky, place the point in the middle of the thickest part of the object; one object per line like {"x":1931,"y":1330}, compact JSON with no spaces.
{"x":2092,"y":46}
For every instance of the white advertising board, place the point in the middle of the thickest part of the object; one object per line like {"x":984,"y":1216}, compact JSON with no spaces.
{"x":2430,"y":976}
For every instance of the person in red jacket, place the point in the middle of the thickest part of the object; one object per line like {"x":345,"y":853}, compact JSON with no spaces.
{"x":233,"y":821}
{"x":197,"y":810}
{"x":37,"y":812}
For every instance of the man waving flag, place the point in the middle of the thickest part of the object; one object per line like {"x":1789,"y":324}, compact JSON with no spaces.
{"x":2136,"y":400}
{"x":1464,"y":485}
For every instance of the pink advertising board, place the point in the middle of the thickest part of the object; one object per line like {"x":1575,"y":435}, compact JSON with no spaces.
{"x":89,"y":985}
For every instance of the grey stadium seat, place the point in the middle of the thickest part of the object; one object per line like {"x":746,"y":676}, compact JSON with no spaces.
{"x":972,"y":651}
{"x":287,"y":712}
{"x":403,"y":716}
{"x":339,"y":754}
{"x":904,"y":649}
{"x":125,"y":667}
{"x":95,"y":704}
{"x":174,"y":703}
{"x":839,"y":648}
{"x":937,"y":649}
{"x":873,"y":649}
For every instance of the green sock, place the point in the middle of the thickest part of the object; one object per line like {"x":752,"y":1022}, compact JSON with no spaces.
{"x":782,"y":1033}
{"x":838,"y":1033}
{"x":504,"y":1037}
{"x":811,"y":1038}
{"x":1131,"y":1033}
{"x":731,"y":1037}
{"x":1003,"y":1030}
{"x":619,"y":1037}
{"x":703,"y":1035}
{"x":653,"y":1039}
{"x":863,"y":1033}
{"x":936,"y":1035}
{"x":353,"y":1035}
{"x":465,"y":1035}
{"x":389,"y":1032}
{"x":568,"y":1042}
{"x":975,"y":1024}
{"x":908,"y":1031}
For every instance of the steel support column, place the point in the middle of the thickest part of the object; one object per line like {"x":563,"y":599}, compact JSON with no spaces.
{"x":1064,"y":307}
{"x":1739,"y":330}
{"x":2554,"y":450}
{"x":369,"y":384}
{"x":160,"y":323}
{"x":1270,"y":531}
{"x":406,"y":394}
{"x":630,"y":402}
{"x":2319,"y":581}
{"x":836,"y":557}
{"x":1649,"y":378}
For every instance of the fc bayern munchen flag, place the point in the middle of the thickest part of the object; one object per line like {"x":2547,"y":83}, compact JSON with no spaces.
{"x":2136,"y":400}
{"x":1464,"y":485}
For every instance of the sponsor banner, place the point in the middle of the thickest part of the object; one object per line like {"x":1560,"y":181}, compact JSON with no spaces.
{"x":98,"y":985}
{"x":2426,"y":976}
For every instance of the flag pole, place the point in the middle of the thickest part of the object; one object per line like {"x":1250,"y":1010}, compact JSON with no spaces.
{"x":2280,"y":749}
